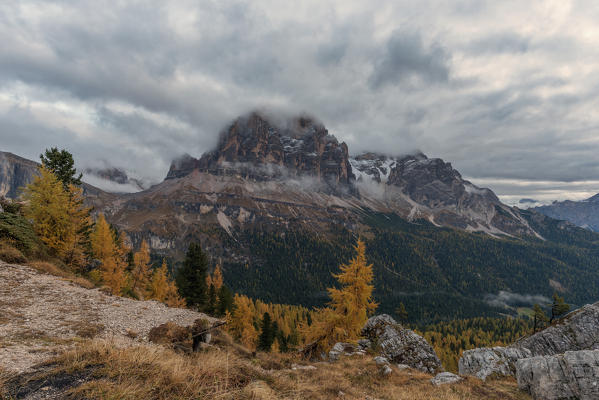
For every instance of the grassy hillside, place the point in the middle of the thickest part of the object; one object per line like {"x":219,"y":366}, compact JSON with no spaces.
{"x":438,"y":273}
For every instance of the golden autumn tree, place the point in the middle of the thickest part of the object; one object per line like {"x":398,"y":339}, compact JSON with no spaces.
{"x":59,"y":217}
{"x":164,"y":289}
{"x":110,"y":253}
{"x":350,"y":305}
{"x":141,"y":274}
{"x":217,"y":277}
{"x":242,"y":321}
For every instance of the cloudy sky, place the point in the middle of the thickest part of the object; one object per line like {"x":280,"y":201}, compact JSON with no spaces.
{"x":505,"y":90}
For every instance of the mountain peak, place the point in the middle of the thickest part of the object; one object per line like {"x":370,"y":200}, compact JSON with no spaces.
{"x":262,"y":147}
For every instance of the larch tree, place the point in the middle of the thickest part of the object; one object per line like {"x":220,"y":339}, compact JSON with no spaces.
{"x":58,"y":216}
{"x":242,"y":321}
{"x":163,"y":288}
{"x":107,"y":250}
{"x":539,"y":318}
{"x":350,"y":305}
{"x":217,"y":277}
{"x":141,"y":274}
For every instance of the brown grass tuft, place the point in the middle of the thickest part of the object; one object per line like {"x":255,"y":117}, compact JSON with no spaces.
{"x":11,"y":255}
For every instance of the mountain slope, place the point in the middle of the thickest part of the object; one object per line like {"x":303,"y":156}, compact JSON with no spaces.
{"x":581,"y":213}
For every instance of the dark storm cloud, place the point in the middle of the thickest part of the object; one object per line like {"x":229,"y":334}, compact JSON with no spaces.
{"x":506,"y":91}
{"x":405,"y":57}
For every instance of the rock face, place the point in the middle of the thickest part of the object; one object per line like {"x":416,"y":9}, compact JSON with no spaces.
{"x":15,"y":172}
{"x":485,"y":362}
{"x":400,"y":345}
{"x":572,"y":375}
{"x":578,"y":330}
{"x":256,"y":147}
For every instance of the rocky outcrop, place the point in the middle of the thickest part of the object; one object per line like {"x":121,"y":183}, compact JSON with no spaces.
{"x":258,"y":147}
{"x":572,"y":375}
{"x":496,"y":361}
{"x":399,"y":345}
{"x":578,"y":330}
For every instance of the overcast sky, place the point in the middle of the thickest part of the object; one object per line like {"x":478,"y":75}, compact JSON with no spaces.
{"x":505,"y":90}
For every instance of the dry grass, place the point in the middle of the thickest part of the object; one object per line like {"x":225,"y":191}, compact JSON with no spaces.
{"x":11,"y":254}
{"x":155,"y":372}
{"x":46,"y":267}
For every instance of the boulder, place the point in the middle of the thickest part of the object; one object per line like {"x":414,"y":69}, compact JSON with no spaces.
{"x":485,"y":362}
{"x":340,"y":349}
{"x":400,"y":345}
{"x":444,"y":378}
{"x":572,"y":375}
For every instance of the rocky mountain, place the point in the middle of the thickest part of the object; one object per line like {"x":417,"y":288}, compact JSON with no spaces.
{"x":114,"y":179}
{"x":279,"y":203}
{"x":583,"y":213}
{"x":15,"y":172}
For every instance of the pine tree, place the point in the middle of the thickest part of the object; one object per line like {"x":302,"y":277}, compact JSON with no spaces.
{"x":211,"y":306}
{"x":266,"y":333}
{"x":558,"y":307}
{"x":141,"y":274}
{"x":539,"y":317}
{"x":191,"y":277}
{"x":61,"y":164}
{"x":225,"y":301}
{"x":401,"y":312}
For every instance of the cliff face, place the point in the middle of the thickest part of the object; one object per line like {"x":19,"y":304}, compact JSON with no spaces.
{"x":15,"y":172}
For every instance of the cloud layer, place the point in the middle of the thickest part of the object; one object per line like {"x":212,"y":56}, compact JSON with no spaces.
{"x":506,"y":91}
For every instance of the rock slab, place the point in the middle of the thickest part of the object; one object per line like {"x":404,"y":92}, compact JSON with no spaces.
{"x":445,"y":378}
{"x":485,"y":362}
{"x":572,"y":375}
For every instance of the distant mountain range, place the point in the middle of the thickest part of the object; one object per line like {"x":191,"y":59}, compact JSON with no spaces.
{"x":279,"y":204}
{"x":583,"y":213}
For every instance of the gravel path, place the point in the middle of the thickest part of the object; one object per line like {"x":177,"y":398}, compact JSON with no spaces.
{"x":41,"y":315}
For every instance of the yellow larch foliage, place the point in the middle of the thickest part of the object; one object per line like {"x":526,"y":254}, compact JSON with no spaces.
{"x":141,"y":273}
{"x":164,"y":289}
{"x":242,"y":321}
{"x":350,"y":305}
{"x":111,"y":255}
{"x":217,"y":277}
{"x":58,"y":215}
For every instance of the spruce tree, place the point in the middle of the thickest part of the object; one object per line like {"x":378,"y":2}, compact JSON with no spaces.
{"x":61,"y":164}
{"x":401,"y":312}
{"x":211,"y":306}
{"x":191,"y":277}
{"x":266,"y":333}
{"x":225,"y":301}
{"x":539,"y":317}
{"x":559,"y":307}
